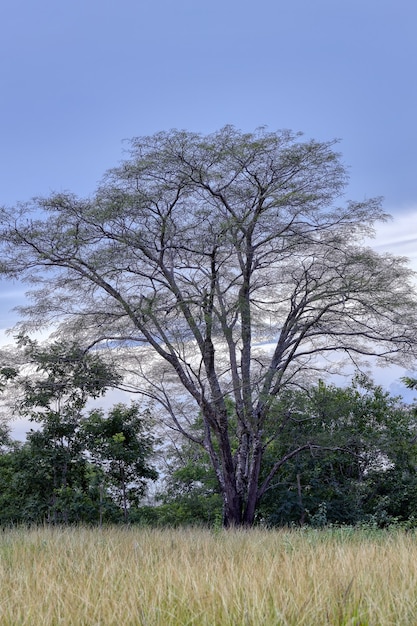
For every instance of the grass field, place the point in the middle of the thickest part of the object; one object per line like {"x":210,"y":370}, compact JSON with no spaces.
{"x":129,"y":576}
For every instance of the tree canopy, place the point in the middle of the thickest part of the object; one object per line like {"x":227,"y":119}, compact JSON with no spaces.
{"x":73,"y":466}
{"x":233,"y":261}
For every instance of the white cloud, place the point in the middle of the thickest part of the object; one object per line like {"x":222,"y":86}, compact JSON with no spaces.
{"x":398,"y":236}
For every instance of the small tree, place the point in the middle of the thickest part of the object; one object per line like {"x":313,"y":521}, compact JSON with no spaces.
{"x":62,"y":378}
{"x":121,"y":446}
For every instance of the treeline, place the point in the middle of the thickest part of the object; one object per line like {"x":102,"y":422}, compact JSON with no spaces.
{"x":76,"y":466}
{"x":358,"y":464}
{"x":94,"y":471}
{"x":346,"y":455}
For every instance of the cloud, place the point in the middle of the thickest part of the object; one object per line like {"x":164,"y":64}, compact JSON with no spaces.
{"x":398,"y":236}
{"x":11,"y":296}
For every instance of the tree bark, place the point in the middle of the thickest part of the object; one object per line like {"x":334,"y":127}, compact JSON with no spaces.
{"x":252,"y":494}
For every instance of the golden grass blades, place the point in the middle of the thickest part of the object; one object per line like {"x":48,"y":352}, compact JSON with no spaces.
{"x":149,"y":577}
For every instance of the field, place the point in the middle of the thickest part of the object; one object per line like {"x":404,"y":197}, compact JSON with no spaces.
{"x":134,"y":576}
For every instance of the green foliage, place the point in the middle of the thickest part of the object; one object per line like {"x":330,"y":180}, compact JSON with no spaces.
{"x":30,"y":494}
{"x":55,"y":476}
{"x":356,"y":465}
{"x":120,"y":444}
{"x":63,"y":376}
{"x":6,"y":374}
{"x":364,"y":448}
{"x":411,"y":383}
{"x":66,"y":376}
{"x":359,"y":463}
{"x":192,"y":494}
{"x":60,"y":476}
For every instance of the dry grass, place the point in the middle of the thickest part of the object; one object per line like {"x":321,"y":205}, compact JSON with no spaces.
{"x":193,"y":577}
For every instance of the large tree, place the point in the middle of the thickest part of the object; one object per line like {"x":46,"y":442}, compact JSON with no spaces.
{"x":233,"y":262}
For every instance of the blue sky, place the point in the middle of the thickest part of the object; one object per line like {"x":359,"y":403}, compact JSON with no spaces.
{"x":77,"y":77}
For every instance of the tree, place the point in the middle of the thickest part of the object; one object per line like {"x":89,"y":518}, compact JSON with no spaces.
{"x":29,"y":492}
{"x":57,"y":475}
{"x":62,"y":376}
{"x":363,"y":437}
{"x":56,"y":383}
{"x":229,"y":259}
{"x":119,"y":444}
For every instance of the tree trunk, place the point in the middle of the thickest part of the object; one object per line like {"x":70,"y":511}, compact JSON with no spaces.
{"x":252,"y":496}
{"x":232,"y":508}
{"x":232,"y":500}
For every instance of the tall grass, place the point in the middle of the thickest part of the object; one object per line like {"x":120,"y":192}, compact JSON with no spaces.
{"x":131,"y":576}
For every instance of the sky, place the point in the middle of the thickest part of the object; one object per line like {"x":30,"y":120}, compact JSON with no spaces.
{"x":78,"y":77}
